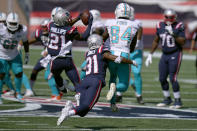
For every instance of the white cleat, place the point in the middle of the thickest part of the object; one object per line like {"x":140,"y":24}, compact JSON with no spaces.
{"x":29,"y":93}
{"x":9,"y":93}
{"x":65,"y":112}
{"x":111,"y":91}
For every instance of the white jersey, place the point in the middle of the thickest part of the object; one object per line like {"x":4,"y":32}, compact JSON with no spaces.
{"x":140,"y":44}
{"x":97,"y":24}
{"x":121,"y":33}
{"x":9,"y":42}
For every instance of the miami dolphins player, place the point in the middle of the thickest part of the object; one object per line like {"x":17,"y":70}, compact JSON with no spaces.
{"x":10,"y":36}
{"x":137,"y":56}
{"x":123,"y":36}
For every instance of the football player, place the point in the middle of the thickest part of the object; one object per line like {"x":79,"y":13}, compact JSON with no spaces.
{"x":61,"y":35}
{"x":123,"y":36}
{"x":10,"y":36}
{"x":90,"y":87}
{"x":172,"y":36}
{"x":97,"y":28}
{"x":137,"y":56}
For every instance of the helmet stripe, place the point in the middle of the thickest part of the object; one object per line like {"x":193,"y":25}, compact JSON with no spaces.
{"x":125,"y":8}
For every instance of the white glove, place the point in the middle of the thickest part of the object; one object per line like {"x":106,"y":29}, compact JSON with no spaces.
{"x":169,"y":29}
{"x":26,"y":58}
{"x":135,"y":63}
{"x":148,"y":60}
{"x":19,"y":47}
{"x":118,"y":60}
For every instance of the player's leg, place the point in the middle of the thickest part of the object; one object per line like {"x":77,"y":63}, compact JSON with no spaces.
{"x":3,"y":64}
{"x":17,"y":68}
{"x":174,"y":66}
{"x":163,"y":74}
{"x":37,"y":68}
{"x":51,"y":82}
{"x":137,"y":84}
{"x":25,"y":82}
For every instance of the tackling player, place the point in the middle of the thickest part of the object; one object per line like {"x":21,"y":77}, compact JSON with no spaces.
{"x":90,"y":87}
{"x":172,"y":36}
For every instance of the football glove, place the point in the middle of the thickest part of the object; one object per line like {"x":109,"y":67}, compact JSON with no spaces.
{"x":135,"y":63}
{"x":148,"y":60}
{"x":118,"y":60}
{"x":26,"y":58}
{"x":19,"y":47}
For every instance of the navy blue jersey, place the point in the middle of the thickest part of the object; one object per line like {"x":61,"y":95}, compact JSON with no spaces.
{"x":96,"y":65}
{"x":59,"y":37}
{"x":40,"y":36}
{"x":169,"y":45}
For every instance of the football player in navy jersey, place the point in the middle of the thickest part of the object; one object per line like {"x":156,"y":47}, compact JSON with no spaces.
{"x":172,"y":36}
{"x":61,"y":35}
{"x":90,"y":87}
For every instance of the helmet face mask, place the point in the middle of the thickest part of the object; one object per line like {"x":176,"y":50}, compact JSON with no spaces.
{"x":94,"y":41}
{"x":123,"y":10}
{"x":62,"y":17}
{"x":169,"y":16}
{"x":12,"y":21}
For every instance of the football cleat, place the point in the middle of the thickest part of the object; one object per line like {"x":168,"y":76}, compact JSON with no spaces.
{"x":140,"y":100}
{"x":9,"y":93}
{"x":114,"y":108}
{"x":66,"y":85}
{"x":54,"y":98}
{"x":177,"y":104}
{"x":111,"y":91}
{"x":167,"y":101}
{"x":29,"y":93}
{"x":1,"y":102}
{"x":65,"y":112}
{"x":20,"y":98}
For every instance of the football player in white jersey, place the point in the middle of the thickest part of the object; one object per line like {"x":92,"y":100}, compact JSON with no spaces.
{"x":10,"y":36}
{"x":123,"y":36}
{"x":137,"y":56}
{"x":98,"y":27}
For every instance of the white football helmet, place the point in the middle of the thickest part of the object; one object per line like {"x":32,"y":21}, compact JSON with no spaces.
{"x":170,"y":16}
{"x":2,"y":17}
{"x":96,"y":14}
{"x":56,"y":9}
{"x":123,"y":10}
{"x":12,"y":21}
{"x":62,"y":17}
{"x":94,"y":41}
{"x":132,"y":15}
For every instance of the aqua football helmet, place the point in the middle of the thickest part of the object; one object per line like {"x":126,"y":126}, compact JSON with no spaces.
{"x":94,"y":41}
{"x":12,"y":21}
{"x":123,"y":10}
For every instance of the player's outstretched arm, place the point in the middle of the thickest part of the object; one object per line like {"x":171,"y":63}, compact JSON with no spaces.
{"x":109,"y":56}
{"x":192,"y":46}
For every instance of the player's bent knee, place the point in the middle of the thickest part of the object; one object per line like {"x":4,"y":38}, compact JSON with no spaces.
{"x":19,"y":75}
{"x":2,"y":75}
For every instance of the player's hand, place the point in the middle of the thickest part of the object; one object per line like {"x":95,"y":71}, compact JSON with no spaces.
{"x":148,"y":60}
{"x":169,"y":29}
{"x":135,"y":63}
{"x":118,"y":60}
{"x":26,"y":58}
{"x":19,"y":47}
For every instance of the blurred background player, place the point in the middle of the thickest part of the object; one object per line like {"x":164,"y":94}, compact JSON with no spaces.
{"x":2,"y":19}
{"x":61,"y":35}
{"x":97,"y":28}
{"x":123,"y":39}
{"x":10,"y":36}
{"x":172,"y":36}
{"x":90,"y":87}
{"x":193,"y":42}
{"x":137,"y":56}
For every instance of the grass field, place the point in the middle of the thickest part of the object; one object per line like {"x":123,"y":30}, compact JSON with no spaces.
{"x":151,"y":93}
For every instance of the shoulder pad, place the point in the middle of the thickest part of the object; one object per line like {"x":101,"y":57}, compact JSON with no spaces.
{"x":159,"y":24}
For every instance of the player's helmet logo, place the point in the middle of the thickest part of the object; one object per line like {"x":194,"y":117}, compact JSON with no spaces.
{"x":55,"y":10}
{"x":123,"y":10}
{"x":169,"y":16}
{"x":12,"y":21}
{"x":62,"y":17}
{"x":94,"y":41}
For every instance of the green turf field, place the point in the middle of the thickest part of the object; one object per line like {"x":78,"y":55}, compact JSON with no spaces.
{"x":151,"y":93}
